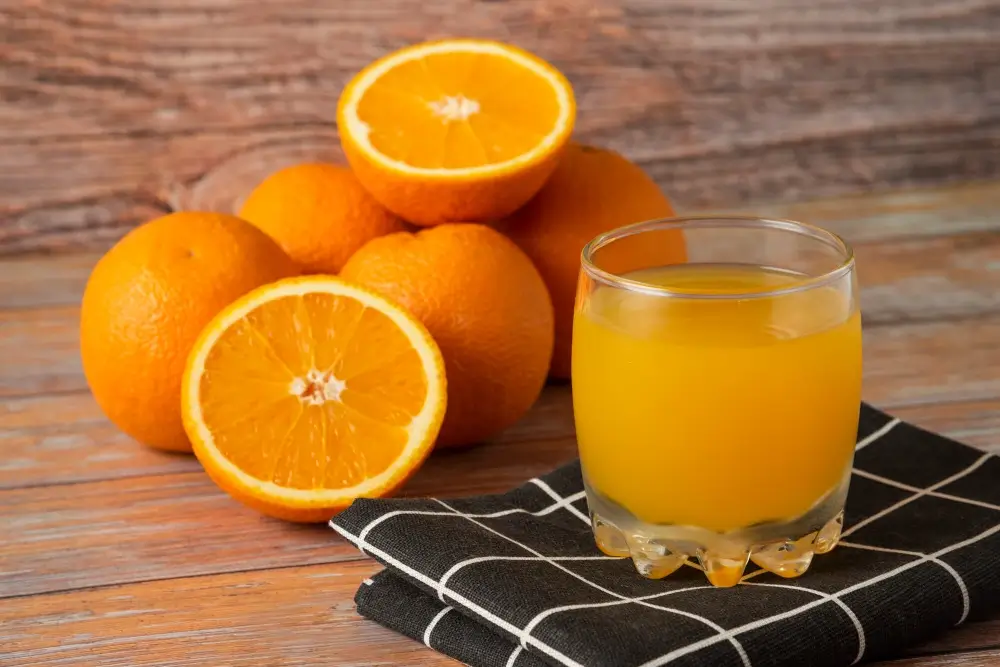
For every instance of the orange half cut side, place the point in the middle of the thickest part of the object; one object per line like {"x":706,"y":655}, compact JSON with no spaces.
{"x":310,"y":392}
{"x":460,"y":106}
{"x":457,"y":130}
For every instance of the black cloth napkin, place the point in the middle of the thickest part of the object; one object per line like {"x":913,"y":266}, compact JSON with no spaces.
{"x":514,"y":580}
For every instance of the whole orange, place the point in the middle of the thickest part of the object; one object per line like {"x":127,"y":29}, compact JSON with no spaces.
{"x":592,"y":191}
{"x":319,"y":214}
{"x":484,"y":304}
{"x":147,"y":300}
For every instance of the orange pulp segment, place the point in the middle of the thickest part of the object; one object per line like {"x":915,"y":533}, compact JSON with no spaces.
{"x":310,"y":392}
{"x":458,"y":105}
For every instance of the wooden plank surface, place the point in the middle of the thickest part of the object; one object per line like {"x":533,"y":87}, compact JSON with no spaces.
{"x":292,"y":616}
{"x":114,"y":554}
{"x":144,"y":527}
{"x":907,"y":364}
{"x":112,"y":116}
{"x":109,"y":546}
{"x":904,"y":280}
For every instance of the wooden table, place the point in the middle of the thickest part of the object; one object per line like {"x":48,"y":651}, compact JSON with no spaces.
{"x":114,"y":554}
{"x":113,"y":113}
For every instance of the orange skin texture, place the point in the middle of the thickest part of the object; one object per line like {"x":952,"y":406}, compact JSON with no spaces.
{"x":319,"y":214}
{"x":592,"y":191}
{"x":487,"y":308}
{"x":147,"y":300}
{"x":292,"y":514}
{"x":428,"y":201}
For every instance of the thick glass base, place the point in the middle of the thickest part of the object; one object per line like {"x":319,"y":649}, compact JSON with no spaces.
{"x":785,"y":548}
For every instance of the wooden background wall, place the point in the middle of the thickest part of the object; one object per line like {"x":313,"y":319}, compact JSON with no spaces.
{"x":113,"y":112}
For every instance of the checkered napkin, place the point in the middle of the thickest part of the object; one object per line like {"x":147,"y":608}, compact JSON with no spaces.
{"x":514,"y":580}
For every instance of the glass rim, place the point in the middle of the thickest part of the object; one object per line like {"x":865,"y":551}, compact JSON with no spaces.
{"x":831,"y":239}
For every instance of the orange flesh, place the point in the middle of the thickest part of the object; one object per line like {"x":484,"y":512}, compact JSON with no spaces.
{"x":458,"y":110}
{"x":330,"y":389}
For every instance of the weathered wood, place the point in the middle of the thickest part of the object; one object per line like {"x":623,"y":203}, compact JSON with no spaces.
{"x":141,"y":528}
{"x":58,"y":439}
{"x":297,"y":616}
{"x":40,"y":351}
{"x":928,"y":362}
{"x":983,"y":634}
{"x":34,"y":281}
{"x":911,"y":361}
{"x":975,"y":423}
{"x":64,"y":439}
{"x":929,"y":278}
{"x":136,"y":529}
{"x":896,"y":215}
{"x":292,"y":616}
{"x":986,"y":658}
{"x":112,"y":117}
{"x":66,"y":537}
{"x":864,"y":220}
{"x":80,"y":452}
{"x":21,"y":416}
{"x":951,"y":275}
{"x":924,"y":278}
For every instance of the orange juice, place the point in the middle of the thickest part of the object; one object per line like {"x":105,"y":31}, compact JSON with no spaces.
{"x":720,"y":413}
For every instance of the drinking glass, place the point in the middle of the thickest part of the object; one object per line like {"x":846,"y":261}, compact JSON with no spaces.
{"x":716,"y":390}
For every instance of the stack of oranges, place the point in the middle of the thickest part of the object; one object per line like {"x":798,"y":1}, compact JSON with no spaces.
{"x":319,"y":345}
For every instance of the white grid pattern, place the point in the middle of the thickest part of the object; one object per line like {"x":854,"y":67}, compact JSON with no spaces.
{"x":928,"y":491}
{"x":962,"y":588}
{"x":560,"y":504}
{"x":563,"y":502}
{"x":513,"y":656}
{"x":443,"y":582}
{"x":831,"y":598}
{"x":919,"y":493}
{"x":469,"y":604}
{"x":433,"y":624}
{"x":690,"y":648}
{"x":872,"y":437}
{"x":722,"y":634}
{"x":524,"y":634}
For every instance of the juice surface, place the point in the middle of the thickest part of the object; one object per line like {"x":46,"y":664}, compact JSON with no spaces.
{"x":718,"y":413}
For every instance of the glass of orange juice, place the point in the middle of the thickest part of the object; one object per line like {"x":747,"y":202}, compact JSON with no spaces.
{"x":716,"y":390}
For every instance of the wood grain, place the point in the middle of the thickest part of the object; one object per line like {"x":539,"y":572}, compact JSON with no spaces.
{"x":934,"y":357}
{"x":982,"y":634}
{"x":893,"y":215}
{"x":33,"y":281}
{"x":291,"y":616}
{"x":137,"y":529}
{"x":60,"y":439}
{"x":296,"y":616}
{"x":40,"y":351}
{"x":98,"y":533}
{"x":875,"y":223}
{"x":114,"y":113}
{"x":917,"y":279}
{"x":929,"y":278}
{"x":112,"y":117}
{"x":81,"y":446}
{"x":180,"y":524}
{"x":987,"y":658}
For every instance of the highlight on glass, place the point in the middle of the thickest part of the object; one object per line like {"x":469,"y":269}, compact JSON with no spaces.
{"x":716,"y":390}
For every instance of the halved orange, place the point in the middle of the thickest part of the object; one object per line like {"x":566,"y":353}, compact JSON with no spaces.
{"x":461,"y":130}
{"x":310,"y":392}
